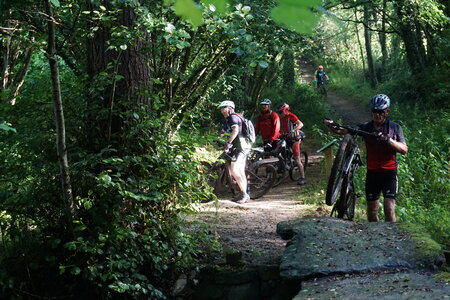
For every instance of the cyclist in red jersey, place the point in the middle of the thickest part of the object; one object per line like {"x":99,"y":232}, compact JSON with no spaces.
{"x":268,"y":124}
{"x":381,"y":158}
{"x":290,"y":123}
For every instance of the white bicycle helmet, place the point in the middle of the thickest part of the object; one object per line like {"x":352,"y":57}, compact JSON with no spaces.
{"x":266,"y":101}
{"x":380,"y":102}
{"x":226,"y":103}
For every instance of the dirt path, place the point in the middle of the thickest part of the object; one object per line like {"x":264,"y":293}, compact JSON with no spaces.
{"x":251,"y":228}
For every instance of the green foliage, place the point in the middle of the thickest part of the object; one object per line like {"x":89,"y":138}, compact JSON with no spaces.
{"x":188,"y":10}
{"x":424,"y":174}
{"x":128,"y":239}
{"x":295,"y":15}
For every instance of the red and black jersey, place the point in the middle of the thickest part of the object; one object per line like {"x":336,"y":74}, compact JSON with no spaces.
{"x":380,"y":156}
{"x":268,"y":126}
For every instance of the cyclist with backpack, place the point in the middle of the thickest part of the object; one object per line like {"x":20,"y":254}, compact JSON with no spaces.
{"x":381,"y":173}
{"x":239,"y":147}
{"x":320,"y":76}
{"x":268,"y":125}
{"x":290,"y":126}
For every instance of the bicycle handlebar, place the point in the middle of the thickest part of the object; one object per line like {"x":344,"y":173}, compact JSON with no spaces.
{"x":353,"y":130}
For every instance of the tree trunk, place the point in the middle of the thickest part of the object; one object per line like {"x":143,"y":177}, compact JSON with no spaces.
{"x":367,"y":37}
{"x":382,"y":39}
{"x":59,"y":117}
{"x":130,"y":64}
{"x":361,"y":51}
{"x":409,"y":37}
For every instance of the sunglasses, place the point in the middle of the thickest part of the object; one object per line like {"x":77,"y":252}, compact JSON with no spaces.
{"x":378,"y":111}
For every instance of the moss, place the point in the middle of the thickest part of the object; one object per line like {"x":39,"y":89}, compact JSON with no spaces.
{"x":445,"y":276}
{"x":426,"y":246}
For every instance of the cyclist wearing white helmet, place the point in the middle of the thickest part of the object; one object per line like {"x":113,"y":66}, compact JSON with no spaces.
{"x":268,"y":124}
{"x":238,"y":146}
{"x":381,"y":174}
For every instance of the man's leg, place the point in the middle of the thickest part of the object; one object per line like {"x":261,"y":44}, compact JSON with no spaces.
{"x":390,"y":193}
{"x":236,"y":172}
{"x":389,"y":210}
{"x":372,"y":210}
{"x":296,"y":156}
{"x":237,"y":169}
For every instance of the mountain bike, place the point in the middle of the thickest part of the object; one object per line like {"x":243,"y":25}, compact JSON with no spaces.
{"x":341,"y":191}
{"x":282,"y":159}
{"x":322,"y":88}
{"x":261,"y":176}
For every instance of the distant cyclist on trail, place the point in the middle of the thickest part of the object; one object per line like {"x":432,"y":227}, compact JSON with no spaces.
{"x":290,"y":124}
{"x":320,"y":76}
{"x":381,"y":157}
{"x":239,"y":147}
{"x":268,"y":124}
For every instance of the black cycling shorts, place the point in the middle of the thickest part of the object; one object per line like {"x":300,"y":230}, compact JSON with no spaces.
{"x":385,"y":182}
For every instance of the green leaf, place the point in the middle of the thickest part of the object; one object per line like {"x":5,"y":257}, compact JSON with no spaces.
{"x":5,"y":127}
{"x":55,"y":3}
{"x":246,"y":9}
{"x":263,"y":64}
{"x":296,"y":15}
{"x":75,"y":271}
{"x":221,"y":5}
{"x":87,"y":205}
{"x":189,"y":11}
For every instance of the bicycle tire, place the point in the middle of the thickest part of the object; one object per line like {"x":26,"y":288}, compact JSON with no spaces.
{"x":341,"y":203}
{"x":260,"y":180}
{"x":336,"y":177}
{"x":282,"y":172}
{"x":294,"y":172}
{"x":323,"y":90}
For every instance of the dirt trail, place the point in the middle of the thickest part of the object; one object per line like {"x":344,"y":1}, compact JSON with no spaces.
{"x":251,"y":227}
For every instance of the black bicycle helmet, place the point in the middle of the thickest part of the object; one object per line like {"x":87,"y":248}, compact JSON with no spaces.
{"x":380,"y":102}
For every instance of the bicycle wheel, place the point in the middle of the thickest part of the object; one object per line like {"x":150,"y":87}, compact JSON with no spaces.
{"x":336,"y":175}
{"x":279,"y":166}
{"x":345,"y":206}
{"x":294,"y":172}
{"x":323,"y":90}
{"x":282,"y":172}
{"x":261,"y":179}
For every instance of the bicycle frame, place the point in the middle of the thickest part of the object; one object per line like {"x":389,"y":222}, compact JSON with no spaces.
{"x":346,"y":168}
{"x":282,"y":159}
{"x":340,"y":190}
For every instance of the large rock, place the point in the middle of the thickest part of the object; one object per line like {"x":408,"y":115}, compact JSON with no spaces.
{"x":330,"y":246}
{"x":400,"y":286}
